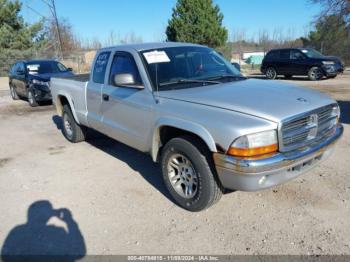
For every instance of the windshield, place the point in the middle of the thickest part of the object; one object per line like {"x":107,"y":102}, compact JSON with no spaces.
{"x":188,"y":66}
{"x":311,"y":53}
{"x":44,"y":67}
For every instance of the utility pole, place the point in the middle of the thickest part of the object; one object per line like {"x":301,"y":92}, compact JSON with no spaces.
{"x":51,"y":4}
{"x":53,"y":10}
{"x":52,"y":7}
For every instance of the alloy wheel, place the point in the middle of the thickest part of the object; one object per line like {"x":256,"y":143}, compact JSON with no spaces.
{"x":30,"y":97}
{"x":271,"y":73}
{"x":316,"y":74}
{"x":67,"y":125}
{"x":182,"y":176}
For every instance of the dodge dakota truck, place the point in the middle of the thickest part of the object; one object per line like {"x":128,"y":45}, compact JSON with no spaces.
{"x":209,"y":127}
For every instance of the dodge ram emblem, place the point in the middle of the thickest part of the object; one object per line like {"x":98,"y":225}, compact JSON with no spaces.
{"x":301,"y":99}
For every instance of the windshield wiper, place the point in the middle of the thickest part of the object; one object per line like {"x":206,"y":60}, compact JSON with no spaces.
{"x":235,"y":78}
{"x":180,"y":81}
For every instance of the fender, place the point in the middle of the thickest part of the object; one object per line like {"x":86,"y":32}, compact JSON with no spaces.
{"x":185,"y":125}
{"x":59,"y":106}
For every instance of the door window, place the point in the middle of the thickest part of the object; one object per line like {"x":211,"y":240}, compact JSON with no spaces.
{"x":285,"y":54}
{"x":100,"y":66}
{"x":296,"y":55}
{"x":21,"y":67}
{"x":124,"y":63}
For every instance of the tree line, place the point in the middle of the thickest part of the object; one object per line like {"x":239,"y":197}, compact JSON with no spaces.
{"x":195,"y":21}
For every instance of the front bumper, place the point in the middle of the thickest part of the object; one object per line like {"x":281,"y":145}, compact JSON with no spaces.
{"x":332,"y":70}
{"x":257,"y":174}
{"x":41,"y":93}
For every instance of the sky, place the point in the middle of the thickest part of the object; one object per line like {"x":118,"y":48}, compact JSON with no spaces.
{"x":148,"y":18}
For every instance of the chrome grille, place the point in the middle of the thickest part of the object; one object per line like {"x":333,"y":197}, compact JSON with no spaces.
{"x":310,"y":127}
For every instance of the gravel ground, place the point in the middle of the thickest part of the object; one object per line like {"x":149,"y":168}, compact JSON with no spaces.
{"x":118,"y":200}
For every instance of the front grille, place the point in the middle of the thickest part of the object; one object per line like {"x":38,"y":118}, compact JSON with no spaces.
{"x":302,"y":130}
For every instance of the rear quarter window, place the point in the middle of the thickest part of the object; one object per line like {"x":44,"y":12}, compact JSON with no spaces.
{"x":272,"y":55}
{"x":14,"y":69}
{"x":100,"y":66}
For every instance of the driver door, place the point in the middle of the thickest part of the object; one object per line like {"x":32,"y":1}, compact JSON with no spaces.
{"x":297,"y":61}
{"x":127,"y":110}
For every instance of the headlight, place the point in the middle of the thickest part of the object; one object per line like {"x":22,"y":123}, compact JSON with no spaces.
{"x":254,"y":144}
{"x":328,"y":62}
{"x":38,"y":82}
{"x":336,"y":112}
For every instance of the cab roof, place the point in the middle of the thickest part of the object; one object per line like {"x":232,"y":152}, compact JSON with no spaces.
{"x":148,"y":46}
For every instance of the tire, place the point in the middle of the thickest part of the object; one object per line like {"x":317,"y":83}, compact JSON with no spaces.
{"x":31,"y":99}
{"x":194,"y":166}
{"x":315,"y":73}
{"x":71,"y":130}
{"x":13,"y":92}
{"x":288,"y":76}
{"x":271,"y":73}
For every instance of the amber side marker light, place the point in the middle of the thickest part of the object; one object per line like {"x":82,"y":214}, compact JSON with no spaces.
{"x":248,"y":152}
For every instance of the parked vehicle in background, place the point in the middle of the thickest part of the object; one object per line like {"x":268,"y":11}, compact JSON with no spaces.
{"x":191,"y":110}
{"x":31,"y":79}
{"x":237,"y":66}
{"x":300,"y":62}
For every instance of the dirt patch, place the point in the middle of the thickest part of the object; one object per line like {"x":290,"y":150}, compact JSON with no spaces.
{"x":55,"y":150}
{"x":4,"y":83}
{"x":4,"y":161}
{"x":4,"y":92}
{"x":17,"y":108}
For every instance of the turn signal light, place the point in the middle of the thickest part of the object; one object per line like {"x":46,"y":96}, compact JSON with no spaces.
{"x":248,"y":152}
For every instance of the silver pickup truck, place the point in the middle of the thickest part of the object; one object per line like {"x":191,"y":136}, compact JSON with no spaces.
{"x":209,"y":127}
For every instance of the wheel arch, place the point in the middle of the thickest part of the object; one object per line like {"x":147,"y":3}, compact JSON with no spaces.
{"x":167,"y":129}
{"x":63,"y":99}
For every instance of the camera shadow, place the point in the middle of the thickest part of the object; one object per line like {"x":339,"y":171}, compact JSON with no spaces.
{"x":37,"y":241}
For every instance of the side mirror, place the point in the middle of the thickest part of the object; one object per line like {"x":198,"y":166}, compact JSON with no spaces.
{"x":124,"y":80}
{"x":69,"y":69}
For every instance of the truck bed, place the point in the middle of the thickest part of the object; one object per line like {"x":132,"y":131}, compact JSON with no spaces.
{"x":74,"y":89}
{"x":80,"y":77}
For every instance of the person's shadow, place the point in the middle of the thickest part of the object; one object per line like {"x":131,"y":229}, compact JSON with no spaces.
{"x":38,"y":241}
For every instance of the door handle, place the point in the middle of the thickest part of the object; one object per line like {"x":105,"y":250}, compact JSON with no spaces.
{"x":105,"y":97}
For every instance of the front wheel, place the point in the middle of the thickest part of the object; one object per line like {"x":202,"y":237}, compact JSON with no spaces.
{"x":71,"y":130}
{"x":31,"y":99}
{"x":315,"y":73}
{"x":13,"y":92}
{"x":271,"y":73}
{"x":189,"y":174}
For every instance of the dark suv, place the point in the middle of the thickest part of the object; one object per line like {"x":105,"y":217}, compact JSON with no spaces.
{"x":300,"y":61}
{"x":31,"y":79}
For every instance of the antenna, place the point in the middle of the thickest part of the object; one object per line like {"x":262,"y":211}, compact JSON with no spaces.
{"x":157,"y":88}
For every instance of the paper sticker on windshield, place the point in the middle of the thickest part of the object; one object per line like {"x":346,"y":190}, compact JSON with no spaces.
{"x":304,"y":51}
{"x":156,"y":57}
{"x":33,"y":67}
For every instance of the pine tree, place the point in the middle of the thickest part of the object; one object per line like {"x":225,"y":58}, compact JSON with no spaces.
{"x":18,"y":40}
{"x":197,"y":21}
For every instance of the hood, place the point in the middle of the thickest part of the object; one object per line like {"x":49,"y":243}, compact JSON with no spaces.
{"x":328,"y":58}
{"x":47,"y":76}
{"x":271,"y":100}
{"x":335,"y":59}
